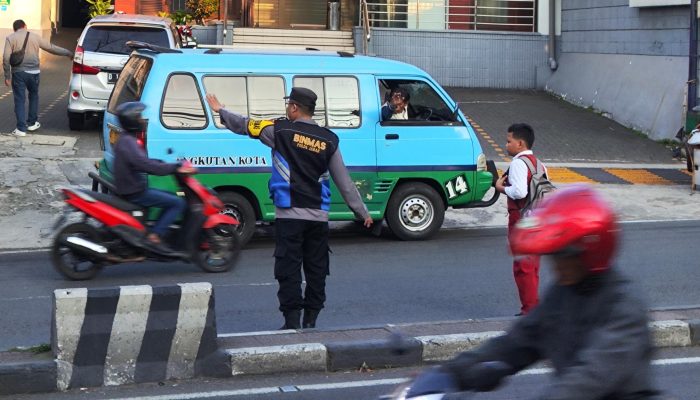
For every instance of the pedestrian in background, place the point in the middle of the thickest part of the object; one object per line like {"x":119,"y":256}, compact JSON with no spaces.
{"x":514,"y":184}
{"x":25,"y":75}
{"x":303,"y":154}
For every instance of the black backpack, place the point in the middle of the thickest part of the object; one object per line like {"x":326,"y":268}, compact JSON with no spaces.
{"x":539,"y":185}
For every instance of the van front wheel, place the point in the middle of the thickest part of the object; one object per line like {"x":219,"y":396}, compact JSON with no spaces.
{"x":237,"y":206}
{"x":415,"y":211}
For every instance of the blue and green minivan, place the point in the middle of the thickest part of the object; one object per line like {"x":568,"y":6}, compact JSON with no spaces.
{"x":407,"y":171}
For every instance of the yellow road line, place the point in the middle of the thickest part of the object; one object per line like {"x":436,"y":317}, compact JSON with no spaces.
{"x":565,"y":175}
{"x":638,"y":176}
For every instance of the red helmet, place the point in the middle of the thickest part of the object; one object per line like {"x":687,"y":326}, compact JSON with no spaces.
{"x":572,"y":219}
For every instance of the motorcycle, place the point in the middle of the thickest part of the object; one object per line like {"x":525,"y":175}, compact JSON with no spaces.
{"x":113,"y":231}
{"x":436,"y":383}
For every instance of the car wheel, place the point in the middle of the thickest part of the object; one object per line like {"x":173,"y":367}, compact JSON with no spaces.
{"x":76,"y":121}
{"x":415,"y":211}
{"x":237,"y":206}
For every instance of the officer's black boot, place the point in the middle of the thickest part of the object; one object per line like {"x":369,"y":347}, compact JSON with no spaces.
{"x":310,"y":318}
{"x":291,"y":320}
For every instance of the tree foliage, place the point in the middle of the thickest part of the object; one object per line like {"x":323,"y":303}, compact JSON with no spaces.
{"x":99,"y":7}
{"x":201,"y":9}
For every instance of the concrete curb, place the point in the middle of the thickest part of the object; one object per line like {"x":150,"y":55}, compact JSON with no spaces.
{"x":378,"y":354}
{"x":41,"y":376}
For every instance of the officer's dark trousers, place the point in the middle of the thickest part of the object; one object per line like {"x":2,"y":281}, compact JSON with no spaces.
{"x":301,"y":243}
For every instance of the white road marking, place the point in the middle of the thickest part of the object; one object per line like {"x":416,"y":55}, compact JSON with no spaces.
{"x":352,"y":384}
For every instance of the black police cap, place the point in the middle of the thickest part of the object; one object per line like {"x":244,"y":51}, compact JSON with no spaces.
{"x":303,"y":96}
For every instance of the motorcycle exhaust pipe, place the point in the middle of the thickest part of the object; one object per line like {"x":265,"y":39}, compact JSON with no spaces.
{"x":86,"y":247}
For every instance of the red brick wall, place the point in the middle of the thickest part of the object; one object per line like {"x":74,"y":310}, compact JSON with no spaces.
{"x":126,"y":6}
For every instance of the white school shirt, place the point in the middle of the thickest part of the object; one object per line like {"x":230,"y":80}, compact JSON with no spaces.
{"x":517,"y":176}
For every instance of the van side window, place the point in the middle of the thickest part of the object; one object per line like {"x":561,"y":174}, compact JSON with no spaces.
{"x":425,"y":106}
{"x":182,"y":106}
{"x":338,"y":103}
{"x":257,"y":97}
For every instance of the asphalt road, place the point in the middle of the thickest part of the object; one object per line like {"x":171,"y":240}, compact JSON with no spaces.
{"x":460,"y":274}
{"x":675,"y":373}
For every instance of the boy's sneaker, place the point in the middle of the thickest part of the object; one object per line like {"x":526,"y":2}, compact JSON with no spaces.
{"x":18,"y":133}
{"x":34,"y":126}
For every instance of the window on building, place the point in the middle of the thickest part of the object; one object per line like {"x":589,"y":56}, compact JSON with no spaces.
{"x":182,"y":105}
{"x":257,"y":97}
{"x":338,"y":103}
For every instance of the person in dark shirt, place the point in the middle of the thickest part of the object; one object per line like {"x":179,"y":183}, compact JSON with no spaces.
{"x":131,"y":166}
{"x":591,"y":324}
{"x":304,"y":155}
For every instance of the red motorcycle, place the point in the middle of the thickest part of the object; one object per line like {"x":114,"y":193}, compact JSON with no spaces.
{"x":113,"y":231}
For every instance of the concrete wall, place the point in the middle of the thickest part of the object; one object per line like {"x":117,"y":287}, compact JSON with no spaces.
{"x":37,"y":14}
{"x":629,"y":62}
{"x":466,"y":58}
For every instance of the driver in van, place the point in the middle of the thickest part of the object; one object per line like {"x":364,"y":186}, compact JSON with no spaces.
{"x":303,"y":154}
{"x":131,"y":164}
{"x":396,"y":106}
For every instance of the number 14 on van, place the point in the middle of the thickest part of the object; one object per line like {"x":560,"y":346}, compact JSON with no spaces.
{"x":456,"y":186}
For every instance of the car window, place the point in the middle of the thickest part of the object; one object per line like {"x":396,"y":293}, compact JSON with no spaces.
{"x":182,"y":106}
{"x":257,"y":97}
{"x":112,"y":39}
{"x":131,"y":82}
{"x":424,"y":105}
{"x":338,"y":103}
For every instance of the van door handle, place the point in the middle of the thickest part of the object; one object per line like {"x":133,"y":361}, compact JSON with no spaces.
{"x":391,"y":136}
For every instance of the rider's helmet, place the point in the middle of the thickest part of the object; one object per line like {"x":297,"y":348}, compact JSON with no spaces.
{"x":130,"y":117}
{"x":574,"y":220}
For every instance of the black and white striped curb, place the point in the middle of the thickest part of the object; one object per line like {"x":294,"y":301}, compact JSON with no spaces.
{"x":376,"y":354}
{"x":132,"y":334}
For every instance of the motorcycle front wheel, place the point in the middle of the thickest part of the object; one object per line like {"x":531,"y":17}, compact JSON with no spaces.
{"x":71,"y":263}
{"x":219,"y":249}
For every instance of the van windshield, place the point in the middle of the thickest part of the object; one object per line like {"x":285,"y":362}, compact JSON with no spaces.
{"x":131,"y":82}
{"x":112,"y":39}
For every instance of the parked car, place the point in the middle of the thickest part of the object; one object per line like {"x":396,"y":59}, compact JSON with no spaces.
{"x":100,"y":55}
{"x":407,"y":171}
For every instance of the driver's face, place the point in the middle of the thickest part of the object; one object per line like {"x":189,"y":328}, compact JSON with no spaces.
{"x":399,"y":101}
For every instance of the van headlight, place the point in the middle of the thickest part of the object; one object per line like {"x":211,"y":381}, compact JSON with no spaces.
{"x":481,"y":162}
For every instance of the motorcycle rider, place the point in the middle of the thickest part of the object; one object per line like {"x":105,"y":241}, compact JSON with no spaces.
{"x":591,"y":325}
{"x":131,"y":166}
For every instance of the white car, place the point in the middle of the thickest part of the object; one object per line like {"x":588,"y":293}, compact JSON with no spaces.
{"x":101,"y":54}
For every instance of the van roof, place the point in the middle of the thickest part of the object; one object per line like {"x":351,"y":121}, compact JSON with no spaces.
{"x":277,"y":61}
{"x":131,"y":19}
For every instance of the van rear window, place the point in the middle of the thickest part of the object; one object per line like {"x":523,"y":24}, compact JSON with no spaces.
{"x":112,"y":39}
{"x":131,"y":82}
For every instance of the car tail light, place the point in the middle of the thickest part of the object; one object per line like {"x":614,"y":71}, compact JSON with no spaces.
{"x":79,"y":67}
{"x":142,"y":137}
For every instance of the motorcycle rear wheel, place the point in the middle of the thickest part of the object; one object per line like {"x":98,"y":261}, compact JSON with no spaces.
{"x":219,"y":249}
{"x":69,"y":263}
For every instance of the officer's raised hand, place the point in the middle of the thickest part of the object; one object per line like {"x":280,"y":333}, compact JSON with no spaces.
{"x":214,"y":103}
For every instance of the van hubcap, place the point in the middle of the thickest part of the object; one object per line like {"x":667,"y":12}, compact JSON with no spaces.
{"x":416,"y":213}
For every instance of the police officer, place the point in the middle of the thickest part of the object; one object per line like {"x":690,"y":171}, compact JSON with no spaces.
{"x":303,"y":154}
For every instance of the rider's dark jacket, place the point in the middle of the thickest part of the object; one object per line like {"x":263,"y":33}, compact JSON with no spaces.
{"x":131,"y":164}
{"x":594,"y":333}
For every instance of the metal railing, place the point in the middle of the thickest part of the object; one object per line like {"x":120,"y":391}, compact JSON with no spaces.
{"x":492,"y":15}
{"x":366,"y":27}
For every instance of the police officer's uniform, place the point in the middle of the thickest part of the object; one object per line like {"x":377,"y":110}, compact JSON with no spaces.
{"x":304,"y":156}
